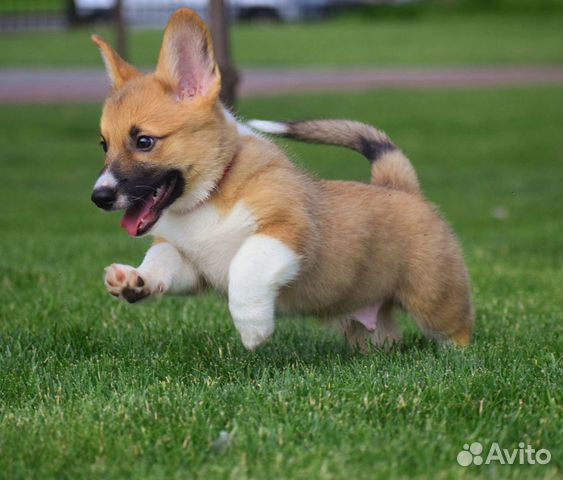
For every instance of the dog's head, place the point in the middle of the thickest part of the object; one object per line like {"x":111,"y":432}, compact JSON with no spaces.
{"x":164,"y":134}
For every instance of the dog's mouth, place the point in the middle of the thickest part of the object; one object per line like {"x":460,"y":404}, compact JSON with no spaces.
{"x":141,"y":216}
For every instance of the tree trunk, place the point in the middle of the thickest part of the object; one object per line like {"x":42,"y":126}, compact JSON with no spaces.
{"x":120,"y":31}
{"x":219,"y":22}
{"x":71,"y":13}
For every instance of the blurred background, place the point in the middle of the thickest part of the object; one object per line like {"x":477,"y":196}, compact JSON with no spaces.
{"x":281,"y":34}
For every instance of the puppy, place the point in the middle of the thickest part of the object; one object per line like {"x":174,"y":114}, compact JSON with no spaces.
{"x":228,"y":209}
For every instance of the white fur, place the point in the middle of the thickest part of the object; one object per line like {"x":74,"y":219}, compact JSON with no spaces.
{"x":165,"y":269}
{"x":208,"y":238}
{"x":106,"y":180}
{"x":226,"y":251}
{"x":275,"y":128}
{"x":196,"y":196}
{"x":260,"y":268}
{"x":243,"y":130}
{"x":109,"y":68}
{"x":122,"y":202}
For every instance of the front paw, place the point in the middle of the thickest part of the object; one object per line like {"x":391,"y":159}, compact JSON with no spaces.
{"x":126,"y":283}
{"x":255,"y":336}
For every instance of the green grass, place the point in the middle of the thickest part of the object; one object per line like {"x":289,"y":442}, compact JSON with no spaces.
{"x":23,"y":6}
{"x":92,"y":388}
{"x":426,"y":40}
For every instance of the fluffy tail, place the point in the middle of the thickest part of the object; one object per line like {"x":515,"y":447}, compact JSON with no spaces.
{"x":389,"y":166}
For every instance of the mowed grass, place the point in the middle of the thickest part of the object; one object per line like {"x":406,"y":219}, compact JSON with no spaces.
{"x":92,"y":388}
{"x":475,"y":39}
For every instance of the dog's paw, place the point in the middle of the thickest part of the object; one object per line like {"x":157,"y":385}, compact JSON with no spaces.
{"x":126,"y":283}
{"x":253,"y":337}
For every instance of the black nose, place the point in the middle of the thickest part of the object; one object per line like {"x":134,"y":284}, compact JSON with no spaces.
{"x":104,"y":197}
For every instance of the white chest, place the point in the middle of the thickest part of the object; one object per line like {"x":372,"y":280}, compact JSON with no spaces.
{"x":209,"y":238}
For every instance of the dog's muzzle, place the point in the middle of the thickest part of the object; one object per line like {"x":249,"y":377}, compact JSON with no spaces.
{"x":104,"y":197}
{"x":144,"y":193}
{"x":106,"y":191}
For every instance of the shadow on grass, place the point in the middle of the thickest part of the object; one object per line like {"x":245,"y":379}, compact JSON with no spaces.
{"x":297,"y":342}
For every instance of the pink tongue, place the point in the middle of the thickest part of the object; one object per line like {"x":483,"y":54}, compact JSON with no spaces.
{"x":138,"y":216}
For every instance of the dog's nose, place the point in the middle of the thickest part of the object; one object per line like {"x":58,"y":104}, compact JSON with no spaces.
{"x":104,"y":197}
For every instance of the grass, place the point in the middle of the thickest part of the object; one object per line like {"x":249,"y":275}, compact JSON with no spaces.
{"x":428,"y":40}
{"x":33,"y":6}
{"x":92,"y":388}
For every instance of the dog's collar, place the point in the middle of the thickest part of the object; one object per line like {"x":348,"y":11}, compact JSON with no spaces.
{"x":226,"y":172}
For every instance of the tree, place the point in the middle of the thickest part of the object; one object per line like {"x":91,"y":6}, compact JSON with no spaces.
{"x":120,"y":31}
{"x":219,"y":23}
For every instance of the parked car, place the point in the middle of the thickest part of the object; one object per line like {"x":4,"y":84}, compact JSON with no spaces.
{"x":285,"y":10}
{"x":85,"y":10}
{"x":156,"y":12}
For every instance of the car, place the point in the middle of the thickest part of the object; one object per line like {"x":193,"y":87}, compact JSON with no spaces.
{"x":90,"y":10}
{"x":155,"y":13}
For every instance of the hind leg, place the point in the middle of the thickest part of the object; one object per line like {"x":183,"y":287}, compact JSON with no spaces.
{"x":387,"y":332}
{"x":355,"y":333}
{"x":448,"y":316}
{"x":373,"y":326}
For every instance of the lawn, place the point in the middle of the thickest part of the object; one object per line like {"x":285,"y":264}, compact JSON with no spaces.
{"x":476,"y":39}
{"x":19,"y":6}
{"x":92,"y":388}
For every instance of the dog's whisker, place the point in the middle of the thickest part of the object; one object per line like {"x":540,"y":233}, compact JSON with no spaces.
{"x":148,"y":187}
{"x":135,"y":198}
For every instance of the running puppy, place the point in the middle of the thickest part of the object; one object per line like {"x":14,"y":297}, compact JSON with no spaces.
{"x":228,"y":209}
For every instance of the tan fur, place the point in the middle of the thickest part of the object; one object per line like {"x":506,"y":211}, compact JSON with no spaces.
{"x":119,"y":71}
{"x":359,"y":244}
{"x":276,"y":192}
{"x":390,"y":167}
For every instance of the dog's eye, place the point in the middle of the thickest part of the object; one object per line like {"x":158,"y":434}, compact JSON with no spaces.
{"x":104,"y":145}
{"x":145,"y":143}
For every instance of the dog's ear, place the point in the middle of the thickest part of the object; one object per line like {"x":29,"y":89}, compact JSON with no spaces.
{"x":186,"y":61}
{"x":119,"y":70}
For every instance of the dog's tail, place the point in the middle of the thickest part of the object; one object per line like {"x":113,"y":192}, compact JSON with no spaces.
{"x":389,"y":166}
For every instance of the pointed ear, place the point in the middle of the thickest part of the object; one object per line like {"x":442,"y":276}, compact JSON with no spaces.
{"x":119,"y":70}
{"x":186,"y":59}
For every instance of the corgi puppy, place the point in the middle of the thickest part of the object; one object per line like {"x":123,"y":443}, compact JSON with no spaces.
{"x":228,"y":209}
